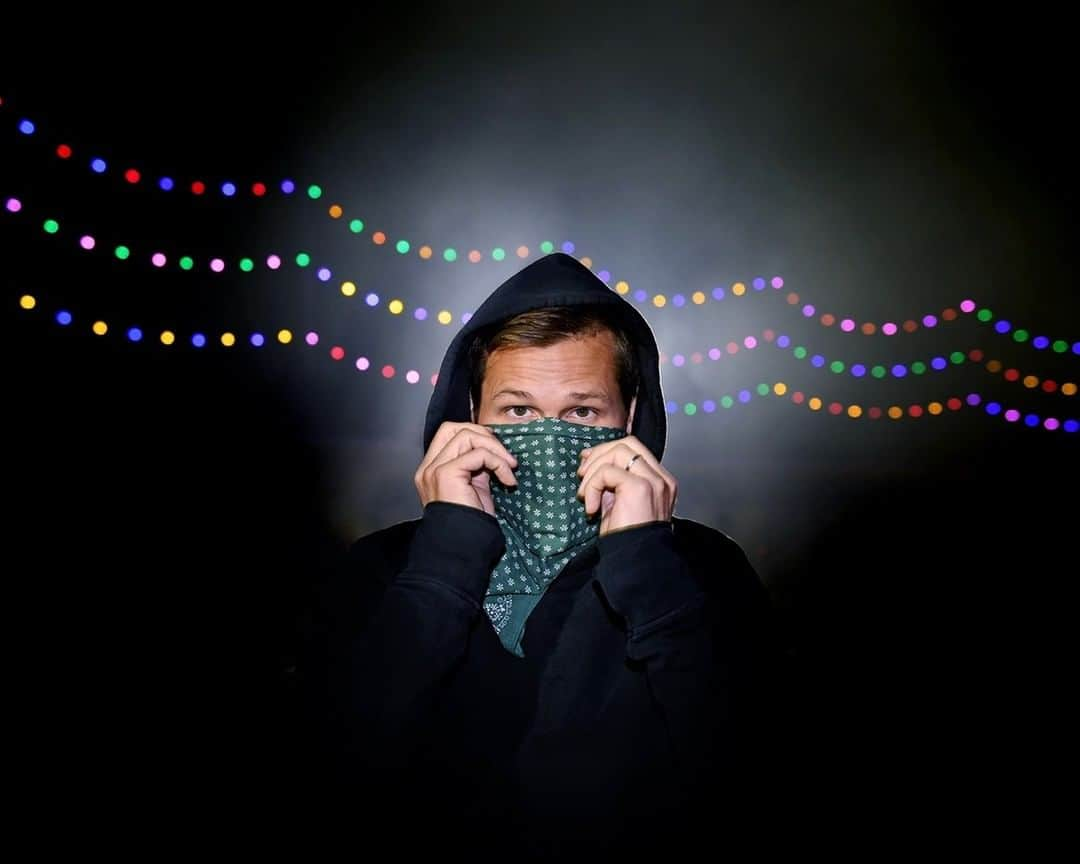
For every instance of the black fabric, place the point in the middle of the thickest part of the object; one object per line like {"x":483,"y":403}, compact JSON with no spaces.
{"x":644,"y":711}
{"x":643,"y":717}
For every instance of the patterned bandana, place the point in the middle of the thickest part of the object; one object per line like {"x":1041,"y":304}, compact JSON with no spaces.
{"x":542,"y":520}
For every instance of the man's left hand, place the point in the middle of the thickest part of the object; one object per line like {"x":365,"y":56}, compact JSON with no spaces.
{"x":627,"y":484}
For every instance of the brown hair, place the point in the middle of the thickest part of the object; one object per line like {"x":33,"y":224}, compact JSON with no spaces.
{"x":538,"y":328}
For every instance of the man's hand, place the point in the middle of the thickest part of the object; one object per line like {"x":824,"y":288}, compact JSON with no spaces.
{"x":644,"y":493}
{"x":458,"y":464}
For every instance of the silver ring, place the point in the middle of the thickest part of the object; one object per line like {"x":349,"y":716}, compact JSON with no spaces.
{"x":633,"y":459}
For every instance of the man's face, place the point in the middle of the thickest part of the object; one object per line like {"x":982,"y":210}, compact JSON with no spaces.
{"x":573,"y":380}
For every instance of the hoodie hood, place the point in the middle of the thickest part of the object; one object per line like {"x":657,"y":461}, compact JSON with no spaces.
{"x":554,"y":280}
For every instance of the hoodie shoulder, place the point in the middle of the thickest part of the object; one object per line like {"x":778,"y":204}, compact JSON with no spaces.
{"x":715,"y":558}
{"x":383,"y":553}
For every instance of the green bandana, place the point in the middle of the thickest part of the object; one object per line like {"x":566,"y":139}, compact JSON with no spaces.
{"x":542,"y":520}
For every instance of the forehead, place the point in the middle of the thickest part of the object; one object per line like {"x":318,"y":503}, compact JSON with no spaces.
{"x":579,"y":360}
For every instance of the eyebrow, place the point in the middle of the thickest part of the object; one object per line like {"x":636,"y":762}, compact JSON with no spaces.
{"x":576,"y":396}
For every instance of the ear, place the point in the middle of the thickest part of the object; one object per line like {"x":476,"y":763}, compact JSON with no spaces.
{"x":472,"y":410}
{"x":630,"y":416}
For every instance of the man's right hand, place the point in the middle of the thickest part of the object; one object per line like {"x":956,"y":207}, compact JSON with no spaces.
{"x":458,"y":465}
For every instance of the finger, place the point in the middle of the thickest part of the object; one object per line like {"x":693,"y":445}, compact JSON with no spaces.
{"x":494,"y":442}
{"x":596,"y":481}
{"x":442,"y":437}
{"x":459,"y":445}
{"x":467,"y":436}
{"x":589,"y":468}
{"x":616,"y":459}
{"x":486,"y":457}
{"x":635,"y":447}
{"x":449,"y":430}
{"x":620,"y":452}
{"x":479,"y":459}
{"x":608,"y":477}
{"x":481,"y":482}
{"x":601,"y":451}
{"x":619,"y":456}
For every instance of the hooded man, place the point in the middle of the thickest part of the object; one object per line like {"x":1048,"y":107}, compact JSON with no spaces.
{"x":548,"y":662}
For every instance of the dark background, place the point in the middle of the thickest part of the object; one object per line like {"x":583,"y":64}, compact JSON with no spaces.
{"x":170,"y":510}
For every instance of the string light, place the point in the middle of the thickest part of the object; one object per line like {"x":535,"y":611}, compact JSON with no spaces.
{"x":1003,"y":327}
{"x":739,"y":289}
{"x":880,"y":371}
{"x":228,"y":189}
{"x":966,"y":307}
{"x":229,"y":339}
{"x":314,"y":191}
{"x":498,"y":254}
{"x":856,"y":411}
{"x":985,"y":315}
{"x":158,"y":259}
{"x":324,"y":274}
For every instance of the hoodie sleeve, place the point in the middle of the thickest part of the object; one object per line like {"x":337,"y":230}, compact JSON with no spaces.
{"x":709,"y":656}
{"x":421,"y":631}
{"x":396,"y":634}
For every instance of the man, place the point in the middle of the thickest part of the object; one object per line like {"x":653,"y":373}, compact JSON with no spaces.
{"x":548,"y":661}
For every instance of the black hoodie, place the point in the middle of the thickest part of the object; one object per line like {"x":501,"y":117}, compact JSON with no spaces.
{"x":639,"y":720}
